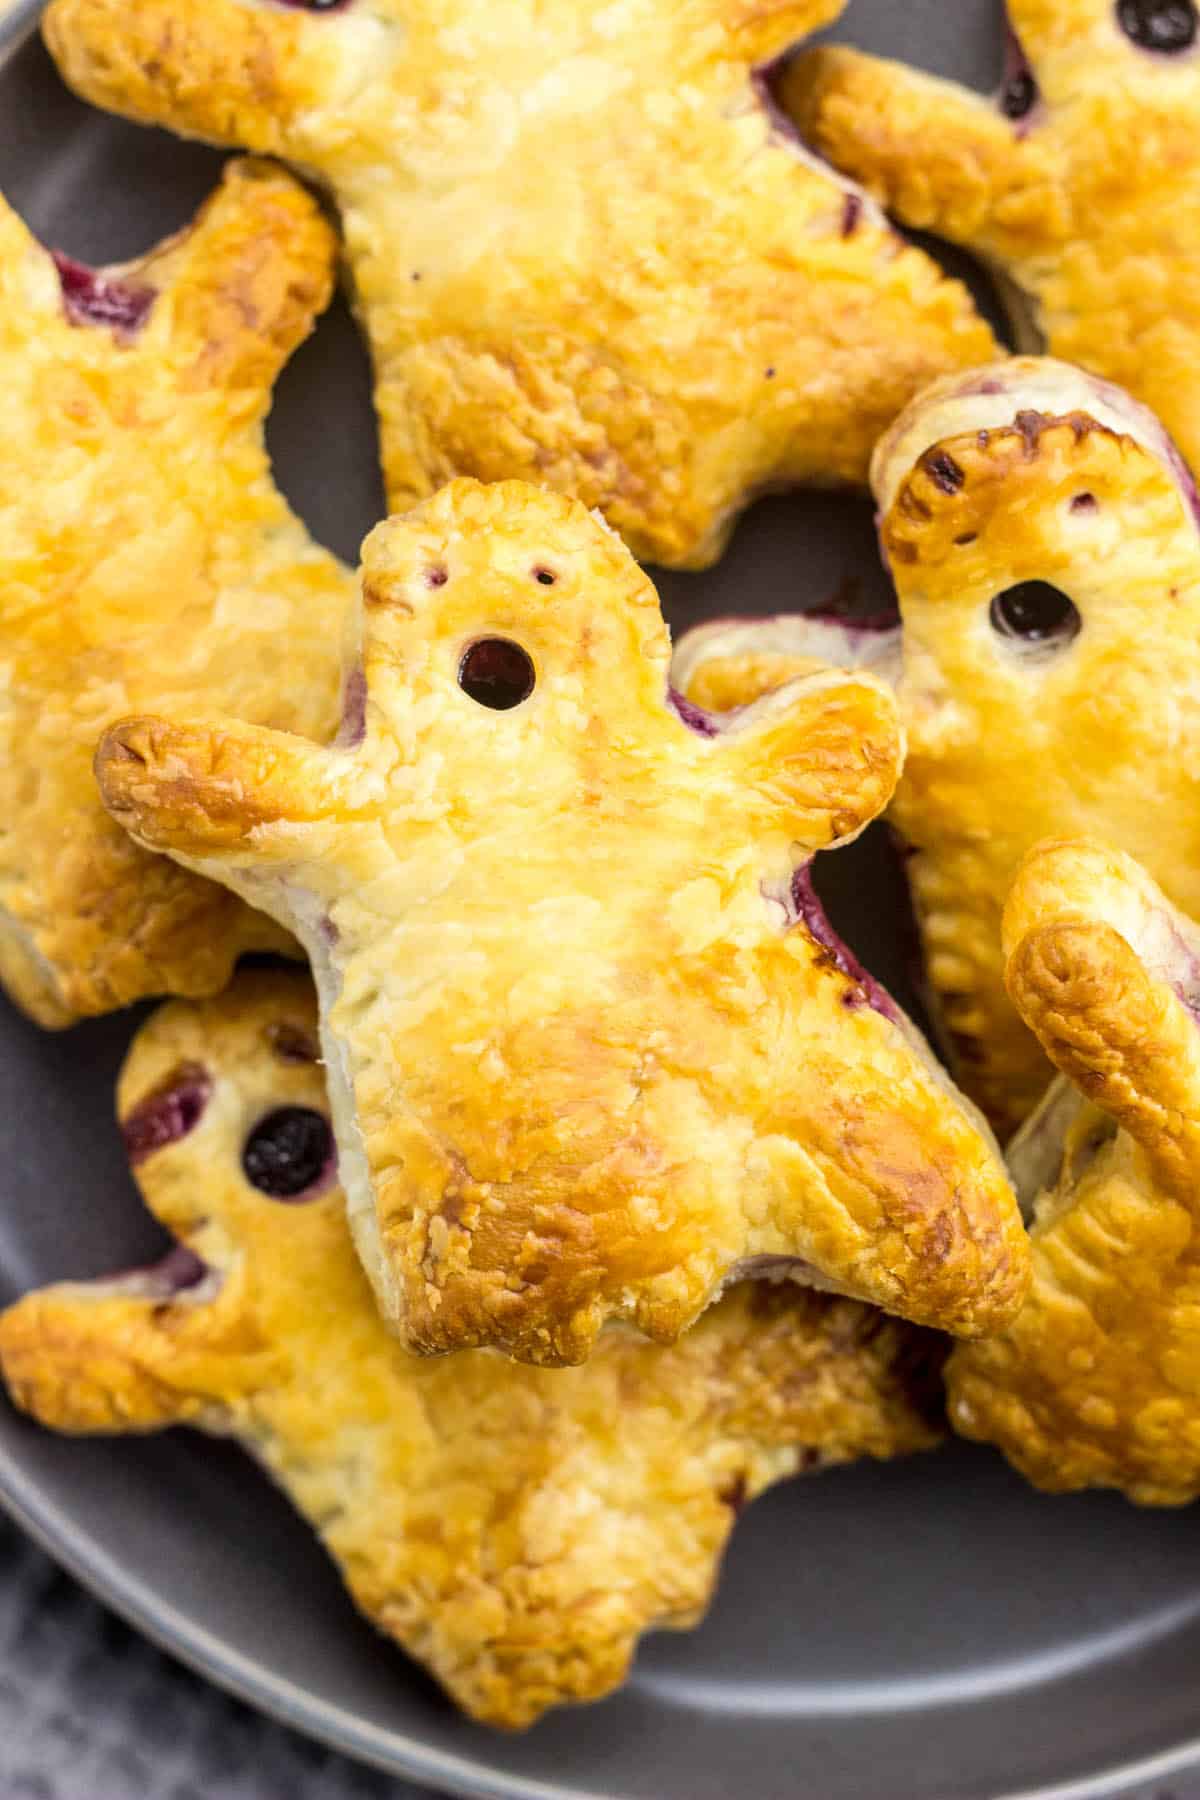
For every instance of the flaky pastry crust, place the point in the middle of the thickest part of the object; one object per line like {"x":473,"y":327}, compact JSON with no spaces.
{"x":1088,"y":201}
{"x":1024,"y":472}
{"x":592,"y":1051}
{"x":516,"y":1529}
{"x":146,"y":554}
{"x":586,"y":248}
{"x":1096,"y":1381}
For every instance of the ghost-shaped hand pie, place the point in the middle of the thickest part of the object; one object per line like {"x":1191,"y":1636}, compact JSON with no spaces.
{"x":1079,"y":181}
{"x":516,"y":1529}
{"x":145,"y":552}
{"x":1097,"y":1383}
{"x":594,"y":1051}
{"x":586,"y":248}
{"x":1041,"y":532}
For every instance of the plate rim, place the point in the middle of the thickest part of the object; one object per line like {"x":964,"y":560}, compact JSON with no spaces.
{"x":19,"y":24}
{"x":394,"y":1752}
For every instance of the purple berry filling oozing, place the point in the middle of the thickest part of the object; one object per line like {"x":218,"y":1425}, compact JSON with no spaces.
{"x":1182,"y":971}
{"x":179,"y":1270}
{"x":168,"y":1114}
{"x":807,"y":910}
{"x":859,"y":625}
{"x":93,"y":298}
{"x":694,"y":717}
{"x":353,"y":728}
{"x":840,"y":610}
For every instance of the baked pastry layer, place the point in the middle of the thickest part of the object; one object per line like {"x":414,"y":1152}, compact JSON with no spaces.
{"x":1041,"y":532}
{"x":586,"y":246}
{"x":1078,"y":183}
{"x":145,"y":556}
{"x":516,"y":1529}
{"x":1096,"y":1382}
{"x":595,"y":1051}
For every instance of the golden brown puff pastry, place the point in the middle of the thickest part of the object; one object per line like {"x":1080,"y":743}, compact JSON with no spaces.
{"x":594,"y":1053}
{"x":1041,"y":533}
{"x":1097,"y":1383}
{"x":146,"y":554}
{"x":1079,"y":182}
{"x":586,"y":247}
{"x":516,"y":1529}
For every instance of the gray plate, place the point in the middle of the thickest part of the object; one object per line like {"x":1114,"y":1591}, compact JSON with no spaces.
{"x":931,"y":1630}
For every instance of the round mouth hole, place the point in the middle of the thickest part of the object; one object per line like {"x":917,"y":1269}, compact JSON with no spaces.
{"x":289,"y":1152}
{"x":1034,"y":612}
{"x":1167,"y":26}
{"x":497,"y":673}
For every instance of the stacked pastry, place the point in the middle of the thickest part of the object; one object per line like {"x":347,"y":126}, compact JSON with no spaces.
{"x":595,"y":1185}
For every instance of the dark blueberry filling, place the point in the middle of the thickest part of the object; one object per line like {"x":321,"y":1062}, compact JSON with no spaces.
{"x":179,"y":1270}
{"x":353,"y":728}
{"x":1084,"y":503}
{"x":497,"y":673}
{"x":1033,"y":612}
{"x":852,"y":208}
{"x":1168,"y":26}
{"x":545,"y":576}
{"x":168,"y":1114}
{"x":809,"y":912}
{"x":693,"y":716}
{"x":174,"y":1273}
{"x":1018,"y":95}
{"x":857,"y":624}
{"x":763,"y":83}
{"x":91,"y":298}
{"x":289,"y":1153}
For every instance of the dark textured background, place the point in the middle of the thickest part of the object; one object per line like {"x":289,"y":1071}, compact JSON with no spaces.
{"x":90,"y":1711}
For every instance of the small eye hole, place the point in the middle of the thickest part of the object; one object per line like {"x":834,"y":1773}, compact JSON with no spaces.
{"x":289,"y":1152}
{"x":496,"y":672}
{"x":547,"y":577}
{"x":1033,"y":612}
{"x":1167,"y":26}
{"x":1019,"y":94}
{"x":172,"y":1110}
